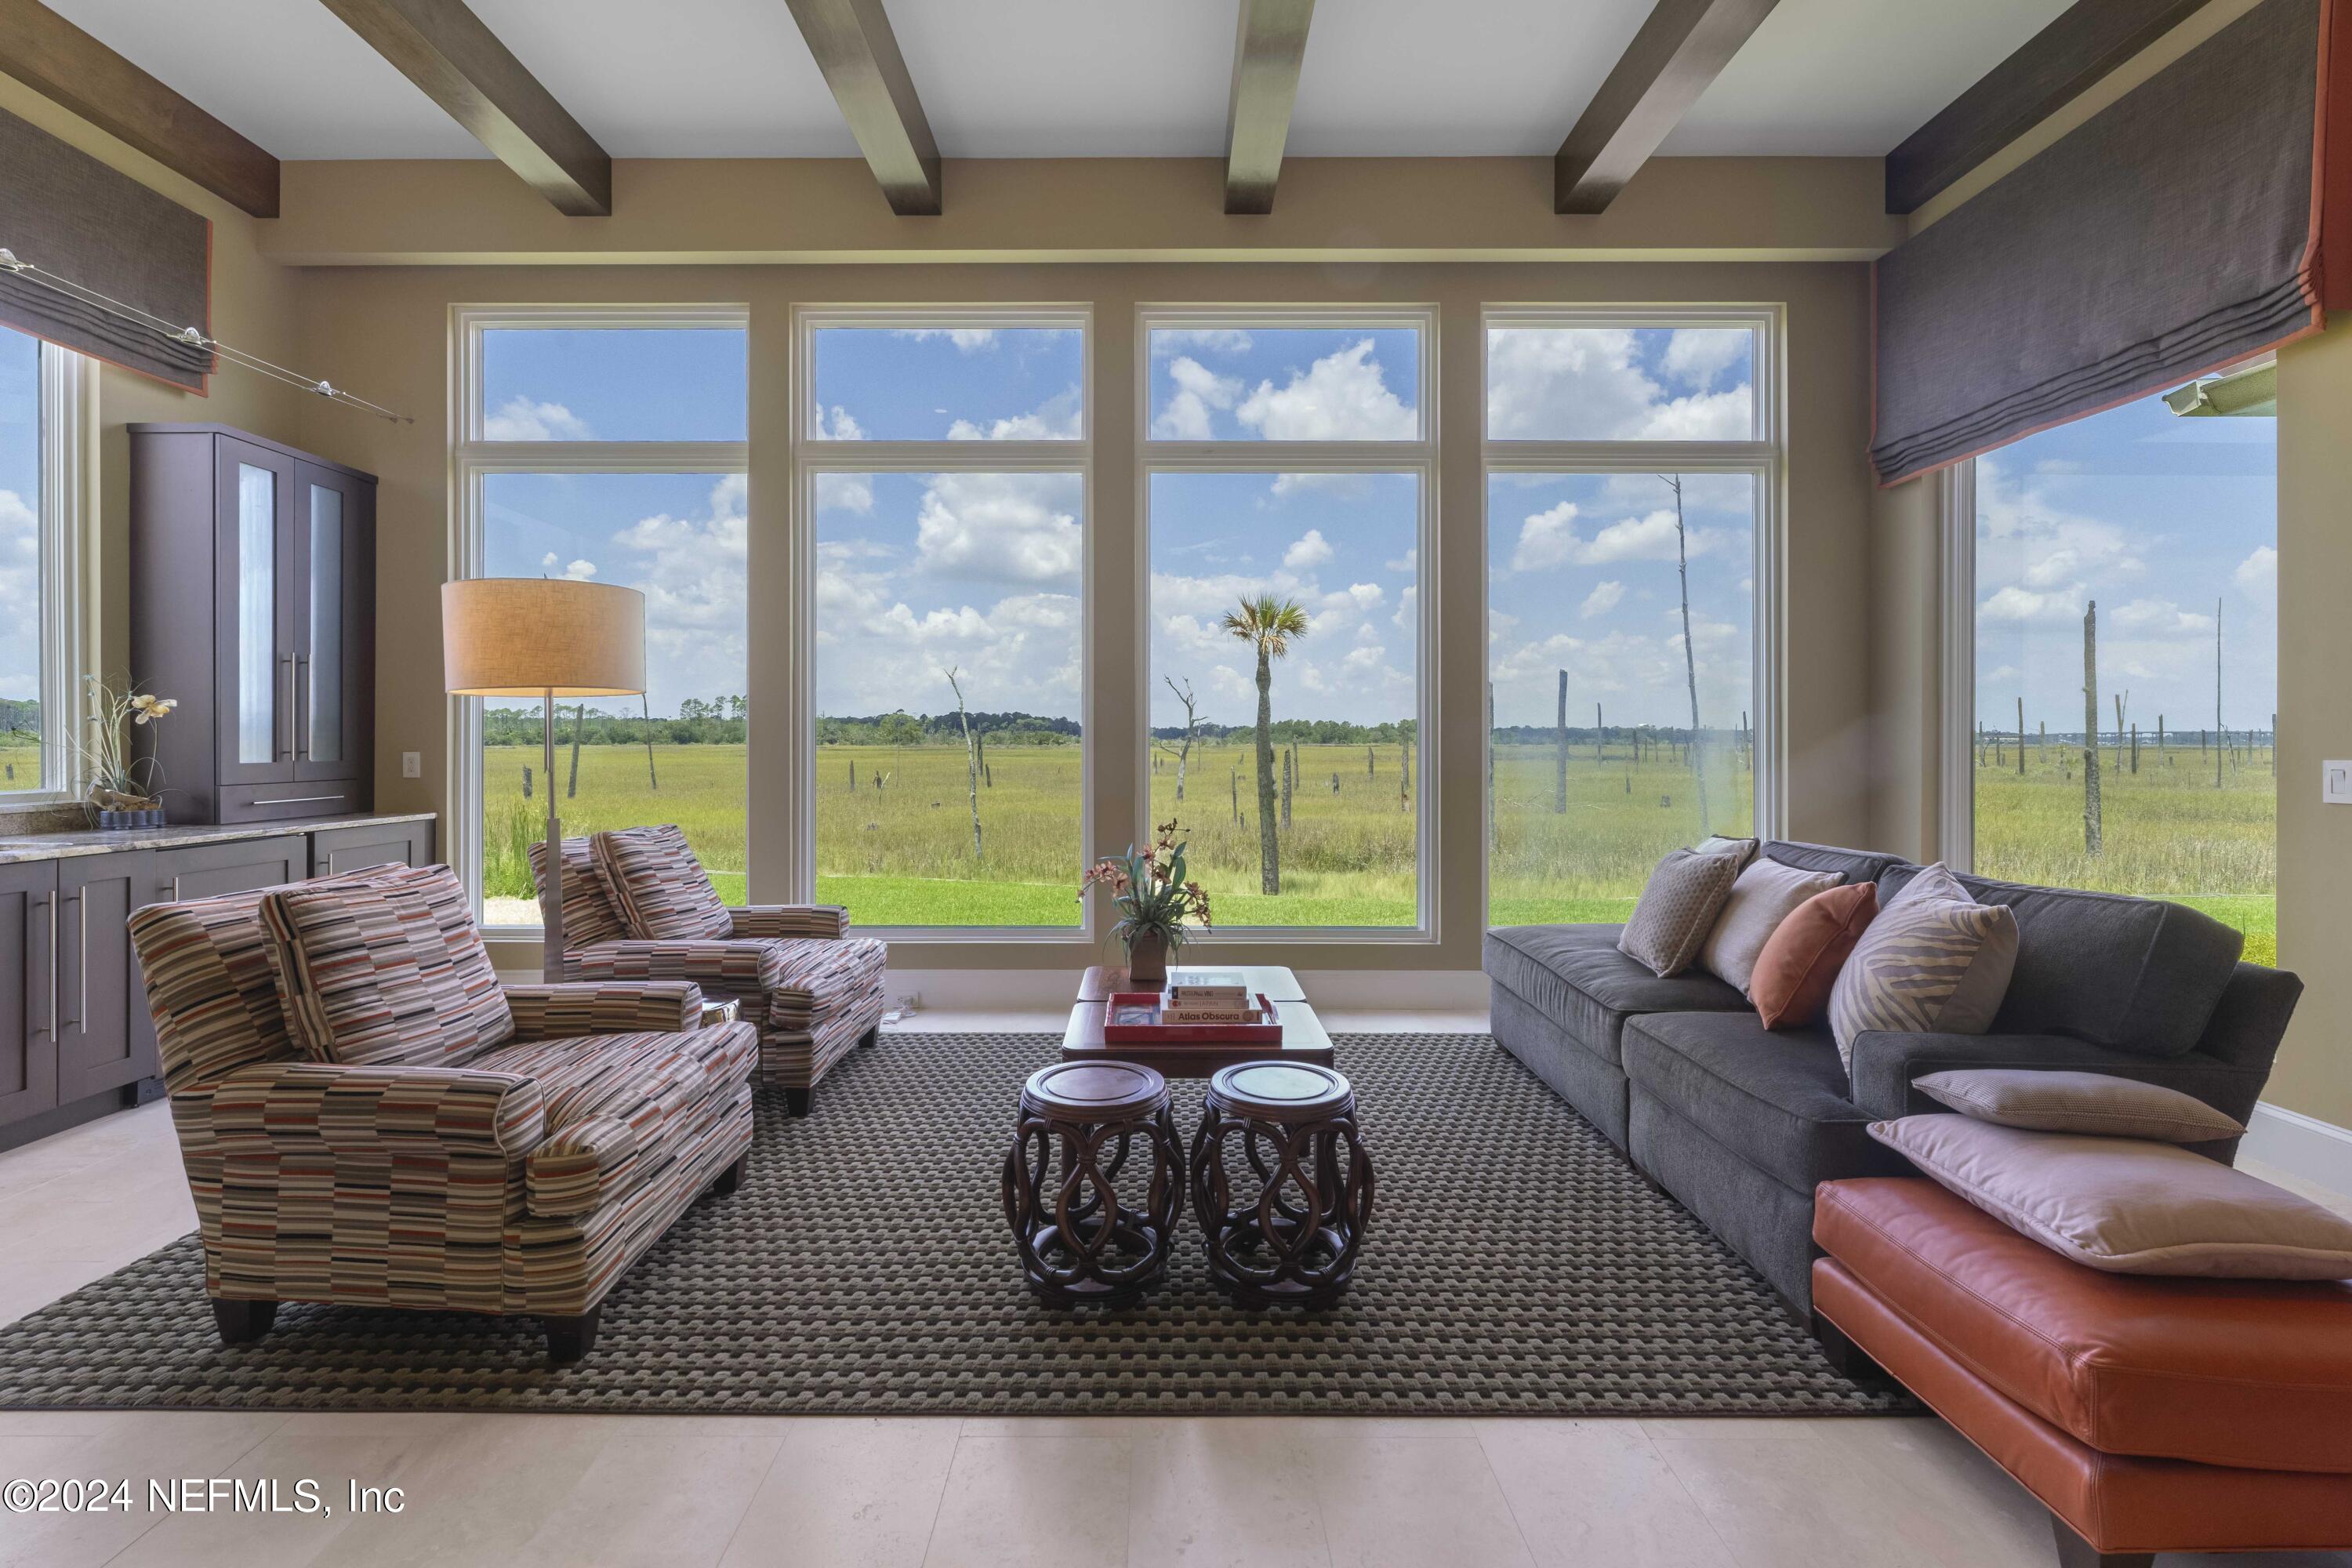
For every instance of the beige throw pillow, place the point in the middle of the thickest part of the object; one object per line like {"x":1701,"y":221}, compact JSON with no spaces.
{"x":1677,"y":909}
{"x":2125,"y":1206}
{"x":1935,"y":881}
{"x":1764,"y":895}
{"x":1742,"y":849}
{"x":1925,"y":965}
{"x":2077,"y":1102}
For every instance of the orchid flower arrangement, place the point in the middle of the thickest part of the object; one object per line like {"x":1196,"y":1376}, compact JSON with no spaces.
{"x":117,"y":780}
{"x":1151,"y":891}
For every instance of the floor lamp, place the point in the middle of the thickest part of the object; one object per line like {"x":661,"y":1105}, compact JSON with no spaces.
{"x":545,"y":637}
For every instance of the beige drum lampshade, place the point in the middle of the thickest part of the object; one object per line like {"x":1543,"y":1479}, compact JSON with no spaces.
{"x":523,"y":636}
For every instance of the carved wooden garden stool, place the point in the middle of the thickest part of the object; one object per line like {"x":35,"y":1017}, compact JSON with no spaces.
{"x":1293,"y":1240}
{"x":1080,"y":1239}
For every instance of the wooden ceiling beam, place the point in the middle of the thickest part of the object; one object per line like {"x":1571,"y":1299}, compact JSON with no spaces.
{"x":1680,"y":49}
{"x":859,"y":56}
{"x":2049,"y":70}
{"x":446,"y":50}
{"x":1268,"y":47}
{"x":66,"y":65}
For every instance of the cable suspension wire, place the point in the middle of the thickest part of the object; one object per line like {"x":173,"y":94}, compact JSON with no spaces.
{"x":43,"y":278}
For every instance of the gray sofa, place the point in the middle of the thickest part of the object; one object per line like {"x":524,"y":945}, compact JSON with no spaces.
{"x":1740,"y":1123}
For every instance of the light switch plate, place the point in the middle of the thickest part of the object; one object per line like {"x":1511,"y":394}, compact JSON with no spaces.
{"x":412,"y":764}
{"x":2335,"y":783}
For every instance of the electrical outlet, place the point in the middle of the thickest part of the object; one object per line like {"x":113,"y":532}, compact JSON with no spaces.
{"x":2335,"y":783}
{"x":412,"y":764}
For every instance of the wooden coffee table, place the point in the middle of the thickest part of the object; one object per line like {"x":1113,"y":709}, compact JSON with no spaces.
{"x":1303,"y":1039}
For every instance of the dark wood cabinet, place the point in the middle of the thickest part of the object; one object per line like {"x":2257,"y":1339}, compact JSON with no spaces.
{"x":105,"y":1038}
{"x":253,"y":602}
{"x":335,"y":850}
{"x":28,"y":1025}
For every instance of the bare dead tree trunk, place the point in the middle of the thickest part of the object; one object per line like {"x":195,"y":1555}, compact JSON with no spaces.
{"x":654,"y":779}
{"x":2020,"y":737}
{"x":1560,"y":771}
{"x":1697,"y":753}
{"x":1183,"y":695}
{"x":579,"y":720}
{"x":970,"y":758}
{"x":2223,"y":736}
{"x":2093,"y":843}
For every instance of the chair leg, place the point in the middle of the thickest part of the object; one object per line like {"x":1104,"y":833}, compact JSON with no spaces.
{"x":871,"y":1036}
{"x":242,"y":1322}
{"x":1847,"y":1358}
{"x":2073,"y":1552}
{"x":570,"y":1339}
{"x":796,"y":1101}
{"x":732,"y":1176}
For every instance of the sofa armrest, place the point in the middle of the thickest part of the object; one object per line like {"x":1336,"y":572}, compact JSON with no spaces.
{"x":736,"y":968}
{"x":603,"y":1007}
{"x":821,"y":920}
{"x":274,"y":1105}
{"x":1884,"y":1064}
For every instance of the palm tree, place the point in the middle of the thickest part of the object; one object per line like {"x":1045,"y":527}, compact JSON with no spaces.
{"x":1269,"y":623}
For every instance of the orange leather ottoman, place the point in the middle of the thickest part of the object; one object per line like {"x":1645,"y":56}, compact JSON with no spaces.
{"x":2149,"y":1414}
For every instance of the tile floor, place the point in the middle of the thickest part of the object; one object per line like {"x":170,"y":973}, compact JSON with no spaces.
{"x":813,"y":1492}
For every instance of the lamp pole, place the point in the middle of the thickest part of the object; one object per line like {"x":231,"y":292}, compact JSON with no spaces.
{"x":551,"y":904}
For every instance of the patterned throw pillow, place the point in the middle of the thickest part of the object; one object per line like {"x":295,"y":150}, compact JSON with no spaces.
{"x":1678,"y":908}
{"x":389,"y":972}
{"x":662,"y":891}
{"x":589,"y":915}
{"x":1925,"y":966}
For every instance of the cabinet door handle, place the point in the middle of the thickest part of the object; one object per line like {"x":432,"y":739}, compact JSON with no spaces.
{"x":51,"y":901}
{"x":57,"y":960}
{"x":296,"y":800}
{"x":286,"y":714}
{"x":302,"y":708}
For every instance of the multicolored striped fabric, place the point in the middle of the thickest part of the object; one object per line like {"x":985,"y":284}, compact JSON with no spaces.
{"x":662,"y":891}
{"x":589,"y":913}
{"x":824,"y":921}
{"x":376,"y":974}
{"x":561,"y":1012}
{"x":407,"y":1185}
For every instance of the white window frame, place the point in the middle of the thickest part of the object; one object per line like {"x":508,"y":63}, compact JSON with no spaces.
{"x":812,"y":456}
{"x":1764,"y":459}
{"x":1956,"y":654}
{"x":1417,"y":458}
{"x":472,"y":459}
{"x":66,"y":452}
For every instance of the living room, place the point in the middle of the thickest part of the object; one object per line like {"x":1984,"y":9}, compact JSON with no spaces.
{"x":619,"y":644}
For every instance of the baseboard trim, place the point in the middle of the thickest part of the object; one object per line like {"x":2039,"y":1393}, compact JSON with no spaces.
{"x":2305,"y":1146}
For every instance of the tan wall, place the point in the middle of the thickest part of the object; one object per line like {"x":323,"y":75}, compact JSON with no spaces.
{"x":385,"y":331}
{"x":253,"y":307}
{"x":1905,"y":669}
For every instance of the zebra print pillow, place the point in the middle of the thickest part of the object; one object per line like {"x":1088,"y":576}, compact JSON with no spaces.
{"x":1925,"y":966}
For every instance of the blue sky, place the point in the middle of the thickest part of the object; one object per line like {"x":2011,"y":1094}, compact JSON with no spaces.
{"x":20,"y":489}
{"x":2156,"y":517}
{"x":1321,"y":384}
{"x":928,"y":385}
{"x":560,"y":384}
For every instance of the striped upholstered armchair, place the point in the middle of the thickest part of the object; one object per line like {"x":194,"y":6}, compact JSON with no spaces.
{"x":369,"y":1118}
{"x":637,"y":906}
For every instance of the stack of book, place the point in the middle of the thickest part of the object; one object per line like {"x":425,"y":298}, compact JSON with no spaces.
{"x":1209,"y":997}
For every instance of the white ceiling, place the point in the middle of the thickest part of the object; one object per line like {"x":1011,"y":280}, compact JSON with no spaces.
{"x":1015,"y":78}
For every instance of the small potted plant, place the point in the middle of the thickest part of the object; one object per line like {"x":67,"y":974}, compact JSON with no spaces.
{"x":124,"y":791}
{"x":1154,"y":902}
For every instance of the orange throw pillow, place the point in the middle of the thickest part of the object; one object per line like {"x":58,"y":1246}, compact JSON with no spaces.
{"x":1801,"y":959}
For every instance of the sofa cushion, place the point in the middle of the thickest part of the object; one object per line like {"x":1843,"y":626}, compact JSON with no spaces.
{"x":1776,"y":1099}
{"x":662,"y":890}
{"x":1576,"y":976}
{"x":1853,"y":865}
{"x":2127,"y":1206}
{"x":1765,"y":894}
{"x":616,"y":1104}
{"x":590,"y":914}
{"x":391,"y":971}
{"x":1678,"y":908}
{"x":2134,"y":974}
{"x":2254,"y":1374}
{"x":2059,"y":1101}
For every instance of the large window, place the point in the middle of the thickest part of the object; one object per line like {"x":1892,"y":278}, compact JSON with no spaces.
{"x":943,"y":458}
{"x":610,"y":445}
{"x":1631,"y":482}
{"x":2125,"y":593}
{"x":1288,"y":462}
{"x":40,"y":478}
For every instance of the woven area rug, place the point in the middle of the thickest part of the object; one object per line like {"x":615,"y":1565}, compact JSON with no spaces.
{"x":1514,"y":1264}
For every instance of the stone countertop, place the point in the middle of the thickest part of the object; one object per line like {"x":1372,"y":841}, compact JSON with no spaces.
{"x":22,"y":847}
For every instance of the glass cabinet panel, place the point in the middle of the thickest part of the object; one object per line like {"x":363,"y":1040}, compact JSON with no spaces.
{"x":257,"y":615}
{"x":322,"y":724}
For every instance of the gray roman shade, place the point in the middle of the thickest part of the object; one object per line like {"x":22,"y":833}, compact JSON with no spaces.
{"x":66,"y":213}
{"x":2173,"y":233}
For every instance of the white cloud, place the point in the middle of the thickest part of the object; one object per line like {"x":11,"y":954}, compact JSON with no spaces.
{"x":1339,"y":397}
{"x":1408,"y":607}
{"x":1311,"y":549}
{"x":1005,"y":527}
{"x":577,"y":570}
{"x":1587,"y":383}
{"x":1551,"y":539}
{"x":1407,"y":562}
{"x":1548,"y":539}
{"x":2162,"y":616}
{"x":1210,"y":340}
{"x":844,"y":492}
{"x":1057,"y":419}
{"x":20,"y":597}
{"x":1696,"y":356}
{"x":1604,"y":597}
{"x":2257,"y":575}
{"x":521,"y":419}
{"x":2016,"y":605}
{"x":970,"y":340}
{"x":841,"y":426}
{"x":1198,"y":390}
